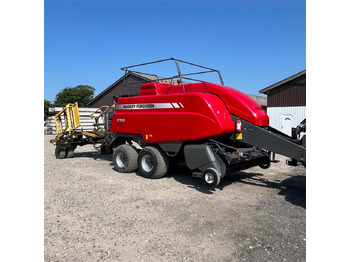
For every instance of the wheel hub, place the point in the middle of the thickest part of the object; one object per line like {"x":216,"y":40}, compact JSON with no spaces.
{"x":120,"y":159}
{"x":209,"y":178}
{"x":147,"y":163}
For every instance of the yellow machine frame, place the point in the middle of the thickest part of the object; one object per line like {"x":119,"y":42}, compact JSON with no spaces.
{"x":97,"y":115}
{"x":71,"y":118}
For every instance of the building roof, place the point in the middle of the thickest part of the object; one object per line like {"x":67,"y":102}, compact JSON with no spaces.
{"x":259,"y":99}
{"x":146,"y":77}
{"x":267,"y":89}
{"x":143,"y":76}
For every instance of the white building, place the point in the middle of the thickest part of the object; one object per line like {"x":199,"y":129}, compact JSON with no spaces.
{"x":286,"y":102}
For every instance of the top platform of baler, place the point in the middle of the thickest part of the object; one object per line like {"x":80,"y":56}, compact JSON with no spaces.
{"x":185,"y":72}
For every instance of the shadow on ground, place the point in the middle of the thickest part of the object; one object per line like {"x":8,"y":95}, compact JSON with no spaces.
{"x":94,"y":155}
{"x":293,"y":188}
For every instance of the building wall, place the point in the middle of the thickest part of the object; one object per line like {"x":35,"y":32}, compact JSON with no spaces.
{"x":298,"y":114}
{"x":130,"y":87}
{"x":292,"y":93}
{"x":286,"y":104}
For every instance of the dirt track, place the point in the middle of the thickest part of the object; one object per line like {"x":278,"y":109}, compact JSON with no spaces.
{"x":93,"y":213}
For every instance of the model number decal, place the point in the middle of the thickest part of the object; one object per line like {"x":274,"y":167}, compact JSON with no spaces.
{"x":150,"y":106}
{"x":121,"y":120}
{"x":136,"y":106}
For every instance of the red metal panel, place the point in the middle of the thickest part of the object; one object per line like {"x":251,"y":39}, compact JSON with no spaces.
{"x":175,"y":117}
{"x":171,"y":115}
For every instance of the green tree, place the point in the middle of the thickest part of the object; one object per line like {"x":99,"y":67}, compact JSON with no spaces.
{"x":47,"y":105}
{"x":82,"y":94}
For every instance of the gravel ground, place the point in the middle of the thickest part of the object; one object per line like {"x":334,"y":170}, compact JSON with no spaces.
{"x":93,"y":213}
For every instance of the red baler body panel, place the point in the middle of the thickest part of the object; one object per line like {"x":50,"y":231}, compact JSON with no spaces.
{"x":164,"y":113}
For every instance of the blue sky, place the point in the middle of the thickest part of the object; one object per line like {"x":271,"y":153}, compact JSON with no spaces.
{"x":253,"y":43}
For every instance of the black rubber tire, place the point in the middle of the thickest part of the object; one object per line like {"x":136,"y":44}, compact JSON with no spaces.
{"x":70,"y":152}
{"x":211,"y":177}
{"x":125,"y":158}
{"x":265,"y":164}
{"x":152,"y":162}
{"x":60,"y":152}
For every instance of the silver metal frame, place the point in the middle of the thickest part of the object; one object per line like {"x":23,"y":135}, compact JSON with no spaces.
{"x":180,"y":76}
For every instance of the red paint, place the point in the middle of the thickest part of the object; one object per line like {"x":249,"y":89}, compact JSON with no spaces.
{"x":202,"y":112}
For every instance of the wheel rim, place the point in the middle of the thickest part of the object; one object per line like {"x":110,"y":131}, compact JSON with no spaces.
{"x":120,"y":159}
{"x":147,"y":163}
{"x":209,"y":178}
